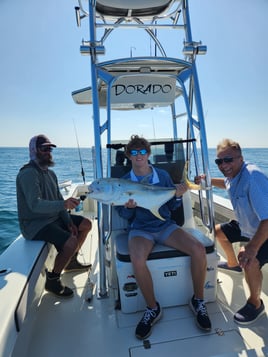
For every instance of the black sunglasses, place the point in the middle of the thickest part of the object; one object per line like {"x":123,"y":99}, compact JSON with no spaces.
{"x":226,"y":160}
{"x":45,"y":149}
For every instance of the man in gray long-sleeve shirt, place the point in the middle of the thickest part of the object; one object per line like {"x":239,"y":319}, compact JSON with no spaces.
{"x":43,"y":213}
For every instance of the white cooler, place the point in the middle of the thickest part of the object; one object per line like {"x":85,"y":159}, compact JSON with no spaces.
{"x":171,"y":274}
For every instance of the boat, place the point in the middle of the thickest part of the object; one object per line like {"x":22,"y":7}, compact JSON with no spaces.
{"x":100,"y":319}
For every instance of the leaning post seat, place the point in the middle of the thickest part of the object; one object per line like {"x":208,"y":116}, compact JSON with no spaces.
{"x":133,"y":8}
{"x":171,"y":271}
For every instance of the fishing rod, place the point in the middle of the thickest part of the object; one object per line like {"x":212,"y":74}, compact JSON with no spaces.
{"x":79,"y":152}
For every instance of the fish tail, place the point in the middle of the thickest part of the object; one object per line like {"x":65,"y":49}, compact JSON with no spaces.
{"x":189,"y":184}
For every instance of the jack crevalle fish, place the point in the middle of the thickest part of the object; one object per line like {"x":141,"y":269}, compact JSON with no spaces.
{"x":117,"y":192}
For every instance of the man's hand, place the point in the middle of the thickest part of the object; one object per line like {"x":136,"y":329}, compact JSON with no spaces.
{"x":246,"y":255}
{"x":181,"y":188}
{"x":71,"y":203}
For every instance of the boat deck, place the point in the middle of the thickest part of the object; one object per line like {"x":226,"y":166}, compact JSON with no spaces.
{"x":97,"y":328}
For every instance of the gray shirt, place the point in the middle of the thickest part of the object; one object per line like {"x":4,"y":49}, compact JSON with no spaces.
{"x":39,"y":199}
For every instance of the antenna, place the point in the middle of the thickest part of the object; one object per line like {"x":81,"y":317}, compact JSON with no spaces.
{"x":132,"y":48}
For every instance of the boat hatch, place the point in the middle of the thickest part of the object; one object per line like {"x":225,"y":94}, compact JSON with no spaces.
{"x":208,"y":345}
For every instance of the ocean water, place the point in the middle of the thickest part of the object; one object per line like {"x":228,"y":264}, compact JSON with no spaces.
{"x":68,"y":167}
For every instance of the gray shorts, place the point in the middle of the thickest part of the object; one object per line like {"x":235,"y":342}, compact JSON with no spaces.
{"x":157,"y":237}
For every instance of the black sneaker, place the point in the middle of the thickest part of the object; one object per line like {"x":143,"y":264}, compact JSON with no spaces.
{"x":199,"y":309}
{"x":54,"y":286}
{"x":150,"y":317}
{"x":224,"y":266}
{"x":75,"y":265}
{"x":248,"y":314}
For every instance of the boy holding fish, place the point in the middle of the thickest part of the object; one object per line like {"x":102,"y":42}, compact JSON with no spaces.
{"x":146,"y":229}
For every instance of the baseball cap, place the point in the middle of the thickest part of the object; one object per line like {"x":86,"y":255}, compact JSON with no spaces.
{"x":42,"y":140}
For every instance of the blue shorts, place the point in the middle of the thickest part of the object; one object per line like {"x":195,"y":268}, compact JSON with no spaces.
{"x":233,"y":233}
{"x":57,"y":232}
{"x":157,"y":237}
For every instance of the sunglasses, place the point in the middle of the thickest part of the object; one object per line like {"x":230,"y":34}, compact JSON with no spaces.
{"x":136,"y":152}
{"x":226,"y":160}
{"x":45,"y":149}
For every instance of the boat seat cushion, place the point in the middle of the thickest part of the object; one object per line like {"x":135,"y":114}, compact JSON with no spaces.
{"x":120,"y":237}
{"x":159,"y":251}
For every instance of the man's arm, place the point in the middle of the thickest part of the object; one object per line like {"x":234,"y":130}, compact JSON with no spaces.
{"x":218,"y":182}
{"x":215,"y":181}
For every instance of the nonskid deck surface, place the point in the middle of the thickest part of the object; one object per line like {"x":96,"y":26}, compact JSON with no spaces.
{"x":95,"y":328}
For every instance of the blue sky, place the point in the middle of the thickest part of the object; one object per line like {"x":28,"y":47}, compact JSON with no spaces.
{"x":41,"y":65}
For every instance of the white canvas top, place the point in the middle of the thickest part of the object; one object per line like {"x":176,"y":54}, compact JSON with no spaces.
{"x":130,"y":4}
{"x":137,"y":8}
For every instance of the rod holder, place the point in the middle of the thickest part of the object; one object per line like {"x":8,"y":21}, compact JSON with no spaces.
{"x":88,"y":48}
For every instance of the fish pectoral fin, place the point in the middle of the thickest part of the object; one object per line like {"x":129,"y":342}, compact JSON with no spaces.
{"x":155,"y":212}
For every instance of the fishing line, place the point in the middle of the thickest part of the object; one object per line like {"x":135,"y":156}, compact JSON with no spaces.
{"x":79,"y":152}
